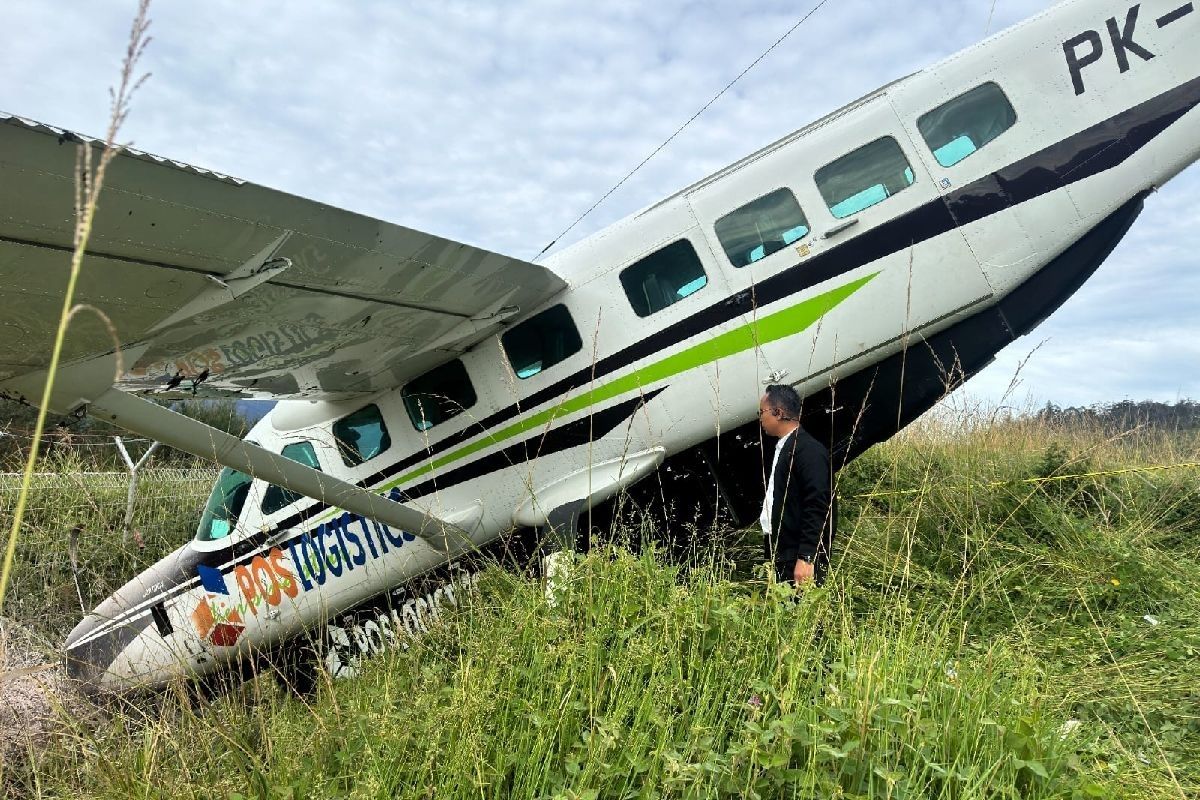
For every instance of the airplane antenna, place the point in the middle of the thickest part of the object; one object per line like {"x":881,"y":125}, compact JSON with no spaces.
{"x":681,"y":128}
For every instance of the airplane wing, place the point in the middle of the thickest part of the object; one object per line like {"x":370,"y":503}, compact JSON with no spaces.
{"x":257,"y":292}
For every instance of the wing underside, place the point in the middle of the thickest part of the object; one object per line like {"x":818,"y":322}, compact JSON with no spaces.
{"x":244,"y":289}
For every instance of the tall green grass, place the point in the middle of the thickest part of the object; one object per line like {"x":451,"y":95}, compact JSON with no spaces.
{"x":976,"y":641}
{"x":73,"y":509}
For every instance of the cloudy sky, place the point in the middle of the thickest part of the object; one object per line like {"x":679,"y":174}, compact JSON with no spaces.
{"x":500,"y":123}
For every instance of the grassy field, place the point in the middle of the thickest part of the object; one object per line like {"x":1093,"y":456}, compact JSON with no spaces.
{"x":79,"y":506}
{"x":983,"y":636}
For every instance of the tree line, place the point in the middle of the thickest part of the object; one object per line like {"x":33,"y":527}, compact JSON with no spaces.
{"x":1126,"y":415}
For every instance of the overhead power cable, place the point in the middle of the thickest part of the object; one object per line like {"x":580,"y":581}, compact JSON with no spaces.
{"x":681,"y":128}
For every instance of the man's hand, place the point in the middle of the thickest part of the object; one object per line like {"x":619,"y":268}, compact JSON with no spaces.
{"x":803,"y":571}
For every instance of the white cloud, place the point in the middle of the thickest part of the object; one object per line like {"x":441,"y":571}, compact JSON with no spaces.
{"x":1133,"y":330}
{"x":499,"y":124}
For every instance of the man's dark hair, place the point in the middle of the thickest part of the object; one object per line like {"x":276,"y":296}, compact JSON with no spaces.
{"x":786,"y":399}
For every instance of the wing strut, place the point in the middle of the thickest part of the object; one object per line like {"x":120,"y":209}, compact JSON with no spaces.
{"x":183,"y":433}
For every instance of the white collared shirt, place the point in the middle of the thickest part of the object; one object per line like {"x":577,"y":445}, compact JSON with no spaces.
{"x":769,"y":500}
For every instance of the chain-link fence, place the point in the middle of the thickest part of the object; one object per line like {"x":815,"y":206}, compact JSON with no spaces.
{"x":75,"y":547}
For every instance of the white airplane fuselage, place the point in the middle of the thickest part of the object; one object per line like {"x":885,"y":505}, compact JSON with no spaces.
{"x":873,"y":312}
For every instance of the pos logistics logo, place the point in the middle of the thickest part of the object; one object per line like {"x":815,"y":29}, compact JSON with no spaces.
{"x":264,"y":581}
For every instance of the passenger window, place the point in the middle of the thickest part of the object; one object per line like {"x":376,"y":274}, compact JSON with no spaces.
{"x":762,"y":227}
{"x":957,"y":129}
{"x":663,"y":278}
{"x":869,"y":175}
{"x":438,"y":395}
{"x":541,"y":342}
{"x":277,"y":497}
{"x":361,"y":436}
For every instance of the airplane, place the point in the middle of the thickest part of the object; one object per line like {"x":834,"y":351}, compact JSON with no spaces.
{"x":435,"y":396}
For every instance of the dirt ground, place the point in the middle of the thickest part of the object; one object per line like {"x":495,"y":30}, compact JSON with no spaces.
{"x":34,"y":695}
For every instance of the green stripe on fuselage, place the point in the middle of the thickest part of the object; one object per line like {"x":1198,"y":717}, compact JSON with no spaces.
{"x":770,"y":328}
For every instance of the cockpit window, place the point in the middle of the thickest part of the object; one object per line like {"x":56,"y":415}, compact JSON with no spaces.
{"x":362,"y":435}
{"x":224,"y":505}
{"x":277,"y":497}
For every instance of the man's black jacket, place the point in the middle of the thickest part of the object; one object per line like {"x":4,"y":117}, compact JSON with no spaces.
{"x":802,"y":516}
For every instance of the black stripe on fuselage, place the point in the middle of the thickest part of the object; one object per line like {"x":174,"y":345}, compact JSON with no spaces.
{"x":1082,"y":155}
{"x":573,"y":434}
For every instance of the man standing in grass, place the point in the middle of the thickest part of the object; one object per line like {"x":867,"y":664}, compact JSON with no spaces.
{"x":799,"y":516}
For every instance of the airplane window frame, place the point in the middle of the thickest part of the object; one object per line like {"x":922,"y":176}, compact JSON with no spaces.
{"x":836,"y":172}
{"x":217,"y":510}
{"x":346,"y":448}
{"x":573,"y":341}
{"x":279,"y":498}
{"x":969,"y":100}
{"x":420,"y":422}
{"x":661,"y":267}
{"x":778,"y":236}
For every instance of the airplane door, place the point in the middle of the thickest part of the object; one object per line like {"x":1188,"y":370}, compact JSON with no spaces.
{"x":951,"y":132}
{"x":893,"y":229}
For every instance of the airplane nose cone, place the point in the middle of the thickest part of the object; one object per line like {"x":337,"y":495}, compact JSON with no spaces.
{"x":96,"y":650}
{"x":84,"y":662}
{"x":95,"y":643}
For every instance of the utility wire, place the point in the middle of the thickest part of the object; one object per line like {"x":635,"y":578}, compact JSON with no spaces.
{"x":991,"y":13}
{"x":681,"y":128}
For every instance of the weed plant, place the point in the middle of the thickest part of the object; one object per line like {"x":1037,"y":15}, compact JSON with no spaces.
{"x":982,"y":637}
